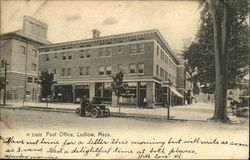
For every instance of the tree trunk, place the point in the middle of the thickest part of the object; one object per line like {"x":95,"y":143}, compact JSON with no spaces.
{"x":221,"y":26}
{"x":118,"y":97}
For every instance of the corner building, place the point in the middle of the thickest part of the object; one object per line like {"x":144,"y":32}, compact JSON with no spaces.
{"x":18,"y":48}
{"x":84,"y":67}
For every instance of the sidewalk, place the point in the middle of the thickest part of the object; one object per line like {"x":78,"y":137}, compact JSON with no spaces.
{"x":194,"y":112}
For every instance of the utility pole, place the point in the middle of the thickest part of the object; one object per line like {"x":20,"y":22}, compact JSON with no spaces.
{"x":4,"y":63}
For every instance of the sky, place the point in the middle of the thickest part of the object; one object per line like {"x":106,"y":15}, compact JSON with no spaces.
{"x":178,"y":21}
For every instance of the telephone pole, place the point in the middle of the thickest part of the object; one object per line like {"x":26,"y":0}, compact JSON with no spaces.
{"x":4,"y":64}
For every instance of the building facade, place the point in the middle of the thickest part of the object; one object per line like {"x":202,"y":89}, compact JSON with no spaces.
{"x":85,"y":67}
{"x":19,"y":50}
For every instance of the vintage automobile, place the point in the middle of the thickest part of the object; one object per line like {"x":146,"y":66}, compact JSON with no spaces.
{"x":95,"y":109}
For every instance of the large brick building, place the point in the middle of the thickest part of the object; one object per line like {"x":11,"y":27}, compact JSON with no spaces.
{"x":83,"y":67}
{"x":19,"y":50}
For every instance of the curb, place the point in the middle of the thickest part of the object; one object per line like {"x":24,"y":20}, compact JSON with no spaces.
{"x":113,"y":114}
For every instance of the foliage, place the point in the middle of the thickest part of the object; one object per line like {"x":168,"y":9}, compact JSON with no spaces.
{"x":2,"y":83}
{"x":200,"y":53}
{"x":46,"y":80}
{"x":118,"y":86}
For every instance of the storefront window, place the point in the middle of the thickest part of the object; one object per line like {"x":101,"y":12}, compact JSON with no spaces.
{"x":158,"y":97}
{"x":131,"y":96}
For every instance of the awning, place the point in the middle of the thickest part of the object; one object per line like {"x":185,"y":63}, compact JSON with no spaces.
{"x":176,"y":92}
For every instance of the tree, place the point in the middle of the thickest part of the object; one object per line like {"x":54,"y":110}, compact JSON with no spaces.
{"x":118,"y":87}
{"x":46,"y":80}
{"x":220,"y":48}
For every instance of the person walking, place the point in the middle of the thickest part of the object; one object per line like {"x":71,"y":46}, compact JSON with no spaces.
{"x":84,"y":103}
{"x":145,"y":101}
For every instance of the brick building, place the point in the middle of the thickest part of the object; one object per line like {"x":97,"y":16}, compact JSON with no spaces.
{"x":19,"y":50}
{"x":84,"y":67}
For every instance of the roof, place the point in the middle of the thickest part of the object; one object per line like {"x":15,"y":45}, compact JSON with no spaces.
{"x":20,"y":36}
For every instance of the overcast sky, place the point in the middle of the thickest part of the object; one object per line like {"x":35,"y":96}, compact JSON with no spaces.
{"x":73,"y":20}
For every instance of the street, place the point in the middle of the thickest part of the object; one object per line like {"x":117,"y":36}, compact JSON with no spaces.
{"x":32,"y":124}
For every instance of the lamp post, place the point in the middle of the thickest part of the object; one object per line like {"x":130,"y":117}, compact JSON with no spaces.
{"x":4,"y":64}
{"x":166,"y":84}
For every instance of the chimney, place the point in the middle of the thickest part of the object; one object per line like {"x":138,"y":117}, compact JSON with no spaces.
{"x":96,"y":33}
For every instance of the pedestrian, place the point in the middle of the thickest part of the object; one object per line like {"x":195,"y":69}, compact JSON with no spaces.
{"x":84,"y":103}
{"x":145,"y":101}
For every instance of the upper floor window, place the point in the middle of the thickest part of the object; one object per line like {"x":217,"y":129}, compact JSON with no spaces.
{"x":101,"y":70}
{"x":121,"y":67}
{"x":162,"y":55}
{"x":34,"y":53}
{"x":70,"y":56}
{"x":158,"y":50}
{"x":29,"y":79}
{"x":132,"y":68}
{"x":88,"y":54}
{"x":166,"y":75}
{"x":157,"y":69}
{"x":141,"y":68}
{"x":102,"y":52}
{"x":63,"y":72}
{"x":47,"y":57}
{"x":36,"y":80}
{"x":166,"y":59}
{"x":133,"y":49}
{"x":161,"y":72}
{"x":87,"y":70}
{"x":33,"y":67}
{"x":82,"y":54}
{"x":109,"y":68}
{"x":81,"y":71}
{"x":141,"y":48}
{"x":109,"y":53}
{"x":64,"y":56}
{"x":120,"y":49}
{"x":69,"y":71}
{"x":22,"y":50}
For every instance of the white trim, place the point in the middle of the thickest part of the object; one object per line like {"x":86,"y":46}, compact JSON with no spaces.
{"x":101,"y":46}
{"x":22,"y":73}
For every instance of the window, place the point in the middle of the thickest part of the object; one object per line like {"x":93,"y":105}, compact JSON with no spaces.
{"x":87,"y":70}
{"x":141,"y":48}
{"x":28,"y":93}
{"x":69,"y":71}
{"x":88,"y":54}
{"x":47,"y":57}
{"x":108,"y":70}
{"x":162,"y":55}
{"x":70,"y":56}
{"x":63,"y":72}
{"x":34,"y":53}
{"x":166,"y":59}
{"x":157,"y":51}
{"x":102,"y":52}
{"x":29,"y":79}
{"x":36,"y":80}
{"x":33,"y":67}
{"x":55,"y":55}
{"x":22,"y":50}
{"x":109,"y":51}
{"x":120,"y":49}
{"x":133,"y":49}
{"x":141,"y":68}
{"x":157,"y":69}
{"x":81,"y":71}
{"x":166,"y":75}
{"x":64,"y":56}
{"x":101,"y":70}
{"x":82,"y":54}
{"x":161,"y":72}
{"x":120,"y":67}
{"x":132,"y":68}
